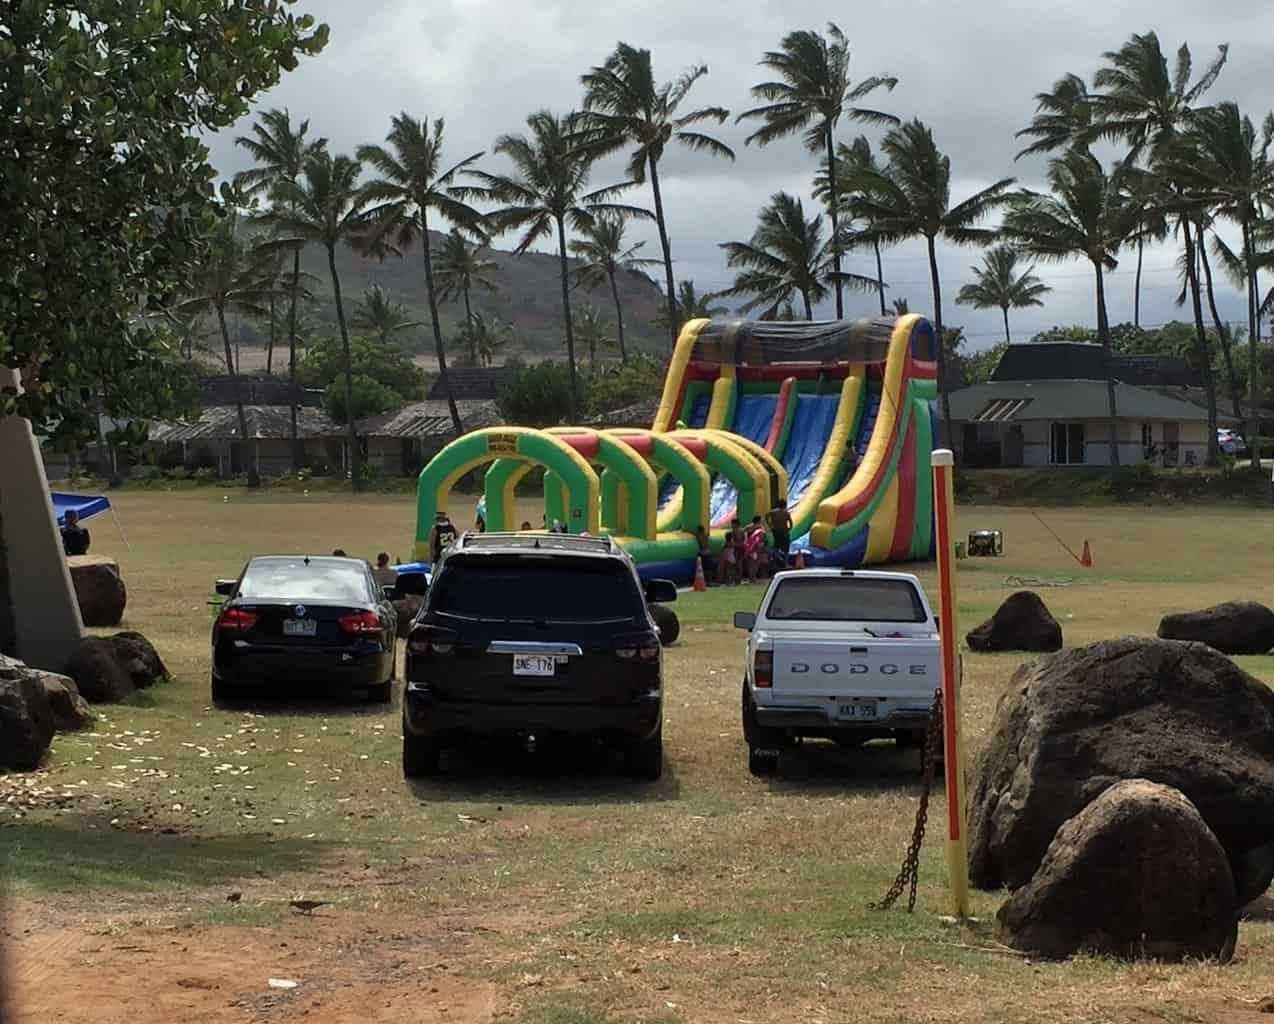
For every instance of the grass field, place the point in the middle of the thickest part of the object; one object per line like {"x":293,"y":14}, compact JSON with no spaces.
{"x":549,"y":892}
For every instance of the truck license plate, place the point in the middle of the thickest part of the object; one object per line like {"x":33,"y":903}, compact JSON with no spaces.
{"x":859,"y":709}
{"x":534,"y":665}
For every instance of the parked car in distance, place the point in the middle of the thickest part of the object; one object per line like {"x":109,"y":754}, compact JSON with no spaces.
{"x":848,"y":655}
{"x":535,"y":636}
{"x":1229,"y":441}
{"x":304,"y":622}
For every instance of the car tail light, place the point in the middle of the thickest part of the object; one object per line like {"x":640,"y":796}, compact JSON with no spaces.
{"x":763,"y":669}
{"x":361,"y":623}
{"x":431,"y":641}
{"x":237,"y":620}
{"x":643,"y":647}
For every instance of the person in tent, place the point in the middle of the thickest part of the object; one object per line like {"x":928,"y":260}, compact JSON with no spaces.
{"x":754,"y":549}
{"x":75,"y":539}
{"x":443,"y":536}
{"x":781,"y":531}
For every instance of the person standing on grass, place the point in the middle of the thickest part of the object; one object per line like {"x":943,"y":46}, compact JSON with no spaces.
{"x":781,"y":531}
{"x":754,"y":549}
{"x":705,"y":554}
{"x":443,"y":536}
{"x":75,"y":539}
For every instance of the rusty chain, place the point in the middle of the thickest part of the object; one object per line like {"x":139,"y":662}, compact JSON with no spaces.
{"x":909,"y":874}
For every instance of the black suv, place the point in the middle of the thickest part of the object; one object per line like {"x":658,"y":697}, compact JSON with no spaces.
{"x":531,"y":636}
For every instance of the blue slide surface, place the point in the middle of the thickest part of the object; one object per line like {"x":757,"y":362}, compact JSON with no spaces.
{"x":753,"y":417}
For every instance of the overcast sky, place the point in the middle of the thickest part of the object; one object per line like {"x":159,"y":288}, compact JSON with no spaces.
{"x":969,"y":70}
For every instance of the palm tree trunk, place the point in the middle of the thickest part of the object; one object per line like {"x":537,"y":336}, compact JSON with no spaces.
{"x":947,"y":427}
{"x":298,"y":456}
{"x":1136,"y":287}
{"x":1253,"y":330}
{"x":809,"y":310}
{"x":468,"y":328}
{"x":274,"y":330}
{"x":1201,"y":342}
{"x":355,"y":456}
{"x":880,"y":279}
{"x":247,"y":444}
{"x":833,"y":200}
{"x":1103,"y":335}
{"x":439,"y":350}
{"x":1222,"y":329}
{"x":673,"y":327}
{"x":619,"y":316}
{"x":566,"y":314}
{"x":1007,"y":339}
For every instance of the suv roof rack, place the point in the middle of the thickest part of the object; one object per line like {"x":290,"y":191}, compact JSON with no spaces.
{"x":564,"y":542}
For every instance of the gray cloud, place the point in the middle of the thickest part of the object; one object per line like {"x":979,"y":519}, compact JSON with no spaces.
{"x":968,"y":70}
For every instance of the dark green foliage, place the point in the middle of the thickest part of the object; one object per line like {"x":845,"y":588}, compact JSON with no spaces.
{"x":383,"y":377}
{"x":539,"y":396}
{"x":106,"y":194}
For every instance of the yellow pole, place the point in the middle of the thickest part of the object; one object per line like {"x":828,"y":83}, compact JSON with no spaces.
{"x":953,"y":738}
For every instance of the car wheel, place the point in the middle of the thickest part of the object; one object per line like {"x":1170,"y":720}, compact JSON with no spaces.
{"x":645,"y":759}
{"x":381,"y":693}
{"x":222,"y":693}
{"x":763,"y":762}
{"x":422,"y":757}
{"x":667,"y":622}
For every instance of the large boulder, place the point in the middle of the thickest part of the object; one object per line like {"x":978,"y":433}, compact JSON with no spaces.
{"x":1021,"y":623}
{"x":99,"y":589}
{"x":1074,"y":723}
{"x":70,"y":711}
{"x":1235,"y":627}
{"x":26,"y":720}
{"x":1137,"y":873}
{"x":109,"y":668}
{"x":139,"y":659}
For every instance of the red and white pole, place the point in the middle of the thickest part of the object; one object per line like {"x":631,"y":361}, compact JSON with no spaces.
{"x":949,"y":632}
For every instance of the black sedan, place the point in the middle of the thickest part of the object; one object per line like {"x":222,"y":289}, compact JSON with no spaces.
{"x":303,"y":622}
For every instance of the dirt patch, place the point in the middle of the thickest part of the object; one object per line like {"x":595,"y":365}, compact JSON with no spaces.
{"x":346,"y":966}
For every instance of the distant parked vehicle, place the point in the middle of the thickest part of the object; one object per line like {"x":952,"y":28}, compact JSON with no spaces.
{"x":1229,"y":441}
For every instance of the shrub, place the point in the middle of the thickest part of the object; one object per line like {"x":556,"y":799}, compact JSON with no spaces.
{"x":538,"y":396}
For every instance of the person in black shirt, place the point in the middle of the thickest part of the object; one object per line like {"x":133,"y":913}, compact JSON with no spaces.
{"x":443,"y":536}
{"x":781,"y":531}
{"x":75,"y":539}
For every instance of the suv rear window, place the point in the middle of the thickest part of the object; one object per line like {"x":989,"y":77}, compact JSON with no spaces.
{"x":846,"y":599}
{"x":550,"y":588}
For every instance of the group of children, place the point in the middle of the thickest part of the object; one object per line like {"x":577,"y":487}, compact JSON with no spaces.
{"x":745,"y":556}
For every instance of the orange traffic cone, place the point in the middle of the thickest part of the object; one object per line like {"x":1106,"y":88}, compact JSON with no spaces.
{"x":700,"y":583}
{"x":800,"y":560}
{"x":1086,"y":557}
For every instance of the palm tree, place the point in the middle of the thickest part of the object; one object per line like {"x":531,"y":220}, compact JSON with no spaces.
{"x":786,"y":256}
{"x":593,"y":331}
{"x":1229,"y":162}
{"x":812,"y":93}
{"x":602,"y":254}
{"x":1085,"y":216}
{"x":691,"y":304}
{"x":235,"y":275}
{"x":911,"y":198}
{"x":625,"y":107}
{"x":999,"y":284}
{"x":412,"y":186}
{"x":461,"y":268}
{"x":486,"y":336}
{"x":1063,"y":118}
{"x":378,"y":315}
{"x":545,"y":192}
{"x":849,"y":161}
{"x":280,"y":152}
{"x":328,"y":207}
{"x":900,"y":307}
{"x":1143,"y":189}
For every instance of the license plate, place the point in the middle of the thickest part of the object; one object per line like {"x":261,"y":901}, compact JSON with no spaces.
{"x":859,"y":709}
{"x":534,"y":665}
{"x":299,"y":627}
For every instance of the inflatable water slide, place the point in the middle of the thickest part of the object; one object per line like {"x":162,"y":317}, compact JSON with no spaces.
{"x":752,"y":412}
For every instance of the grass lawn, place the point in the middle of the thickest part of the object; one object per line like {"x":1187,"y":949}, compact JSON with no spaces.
{"x":541,"y":890}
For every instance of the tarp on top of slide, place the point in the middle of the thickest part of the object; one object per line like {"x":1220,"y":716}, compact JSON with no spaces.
{"x":85,"y":505}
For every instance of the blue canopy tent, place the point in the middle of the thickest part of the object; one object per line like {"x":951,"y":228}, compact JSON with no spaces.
{"x":85,"y":505}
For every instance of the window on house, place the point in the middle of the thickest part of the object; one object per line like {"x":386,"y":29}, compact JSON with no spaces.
{"x":1147,"y":435}
{"x":1067,"y":444}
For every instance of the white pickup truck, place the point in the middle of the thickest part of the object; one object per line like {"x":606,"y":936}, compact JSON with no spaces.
{"x":849,"y":655}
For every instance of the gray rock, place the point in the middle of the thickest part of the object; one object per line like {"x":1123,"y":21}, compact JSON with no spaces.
{"x":70,"y":711}
{"x":26,"y":720}
{"x":1021,"y":623}
{"x":1072,"y":724}
{"x":1234,"y":627}
{"x":97,"y":672}
{"x":1135,"y":874}
{"x":99,"y":589}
